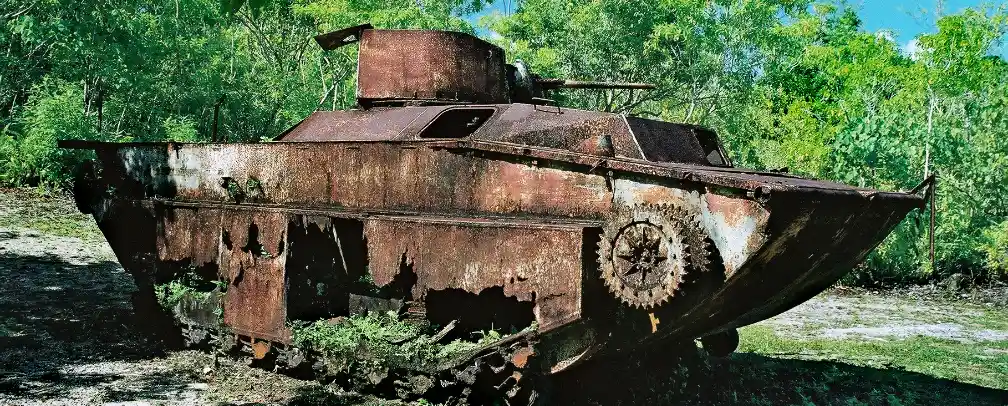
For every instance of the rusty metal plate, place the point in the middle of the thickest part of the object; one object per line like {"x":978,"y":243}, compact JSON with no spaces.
{"x":356,"y":125}
{"x":429,"y":65}
{"x":537,"y":264}
{"x":667,"y":142}
{"x":260,"y":349}
{"x":252,"y":261}
{"x":561,"y":128}
{"x":188,"y":234}
{"x":370,"y":176}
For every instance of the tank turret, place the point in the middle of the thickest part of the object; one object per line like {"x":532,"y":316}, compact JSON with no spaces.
{"x":423,"y":67}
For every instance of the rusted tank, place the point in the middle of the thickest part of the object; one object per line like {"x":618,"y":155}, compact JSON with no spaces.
{"x":458,"y":194}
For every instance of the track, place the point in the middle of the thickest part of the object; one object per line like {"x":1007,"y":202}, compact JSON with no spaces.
{"x":500,"y":371}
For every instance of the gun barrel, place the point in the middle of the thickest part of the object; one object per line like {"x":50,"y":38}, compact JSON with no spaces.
{"x":578,"y":84}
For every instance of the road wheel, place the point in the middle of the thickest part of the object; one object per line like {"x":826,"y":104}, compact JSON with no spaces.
{"x":721,"y":344}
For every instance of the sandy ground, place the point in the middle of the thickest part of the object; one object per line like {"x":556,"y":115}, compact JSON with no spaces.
{"x":894,"y":316}
{"x":66,"y":330}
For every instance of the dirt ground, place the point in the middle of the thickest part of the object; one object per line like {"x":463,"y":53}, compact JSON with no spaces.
{"x":66,"y":326}
{"x":67,"y":331}
{"x":894,"y":315}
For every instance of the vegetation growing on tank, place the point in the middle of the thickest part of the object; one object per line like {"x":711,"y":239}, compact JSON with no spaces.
{"x":171,"y":293}
{"x":366,"y":284}
{"x":189,"y":284}
{"x":234,"y":191}
{"x":367,"y":346}
{"x":254,"y":189}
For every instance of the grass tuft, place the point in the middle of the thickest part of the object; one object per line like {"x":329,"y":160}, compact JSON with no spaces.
{"x":984,"y":364}
{"x":362,"y":345}
{"x":33,"y":209}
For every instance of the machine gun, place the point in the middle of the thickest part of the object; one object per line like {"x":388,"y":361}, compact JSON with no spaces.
{"x":527,"y":87}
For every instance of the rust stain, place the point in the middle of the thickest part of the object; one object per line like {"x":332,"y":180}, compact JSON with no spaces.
{"x":260,"y":348}
{"x":399,"y":65}
{"x":543,"y":265}
{"x":734,"y":210}
{"x":521,"y":357}
{"x":513,"y":188}
{"x":737,"y":227}
{"x":188,"y":234}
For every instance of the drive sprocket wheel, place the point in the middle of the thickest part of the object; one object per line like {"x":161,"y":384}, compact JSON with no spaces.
{"x":646,"y":251}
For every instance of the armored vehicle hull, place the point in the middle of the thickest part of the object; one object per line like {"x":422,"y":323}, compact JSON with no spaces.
{"x":577,"y":234}
{"x":539,"y":224}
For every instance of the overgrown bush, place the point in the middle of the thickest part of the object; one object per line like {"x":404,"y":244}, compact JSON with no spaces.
{"x":30,"y":156}
{"x":10,"y":171}
{"x":188,"y":284}
{"x":180,"y":129}
{"x":995,"y":247}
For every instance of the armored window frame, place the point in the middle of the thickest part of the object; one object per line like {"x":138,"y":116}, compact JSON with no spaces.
{"x":457,"y":122}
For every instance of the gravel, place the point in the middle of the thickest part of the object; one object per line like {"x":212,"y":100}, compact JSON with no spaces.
{"x":68,"y":336}
{"x":867,"y":315}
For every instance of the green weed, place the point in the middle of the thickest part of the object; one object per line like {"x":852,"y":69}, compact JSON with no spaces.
{"x":948,"y":359}
{"x":992,"y":319}
{"x":7,"y":328}
{"x":369,"y":345}
{"x":189,"y":284}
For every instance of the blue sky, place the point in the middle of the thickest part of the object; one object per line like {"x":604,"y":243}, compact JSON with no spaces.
{"x":904,"y":18}
{"x":909,"y":18}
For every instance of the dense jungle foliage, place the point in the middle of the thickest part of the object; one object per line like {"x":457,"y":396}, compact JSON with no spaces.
{"x":787,"y":83}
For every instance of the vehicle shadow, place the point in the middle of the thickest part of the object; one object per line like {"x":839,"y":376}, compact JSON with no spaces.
{"x":752,"y":379}
{"x":742,"y":379}
{"x":59,"y":319}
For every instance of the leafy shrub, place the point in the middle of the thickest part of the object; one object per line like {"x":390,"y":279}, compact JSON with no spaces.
{"x":54,"y":112}
{"x":365,"y":346}
{"x":190,"y":283}
{"x":995,"y":247}
{"x":180,"y":129}
{"x":10,"y":171}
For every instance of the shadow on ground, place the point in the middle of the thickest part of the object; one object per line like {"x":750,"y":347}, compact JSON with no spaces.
{"x":750,"y":379}
{"x":66,"y":326}
{"x":742,"y":379}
